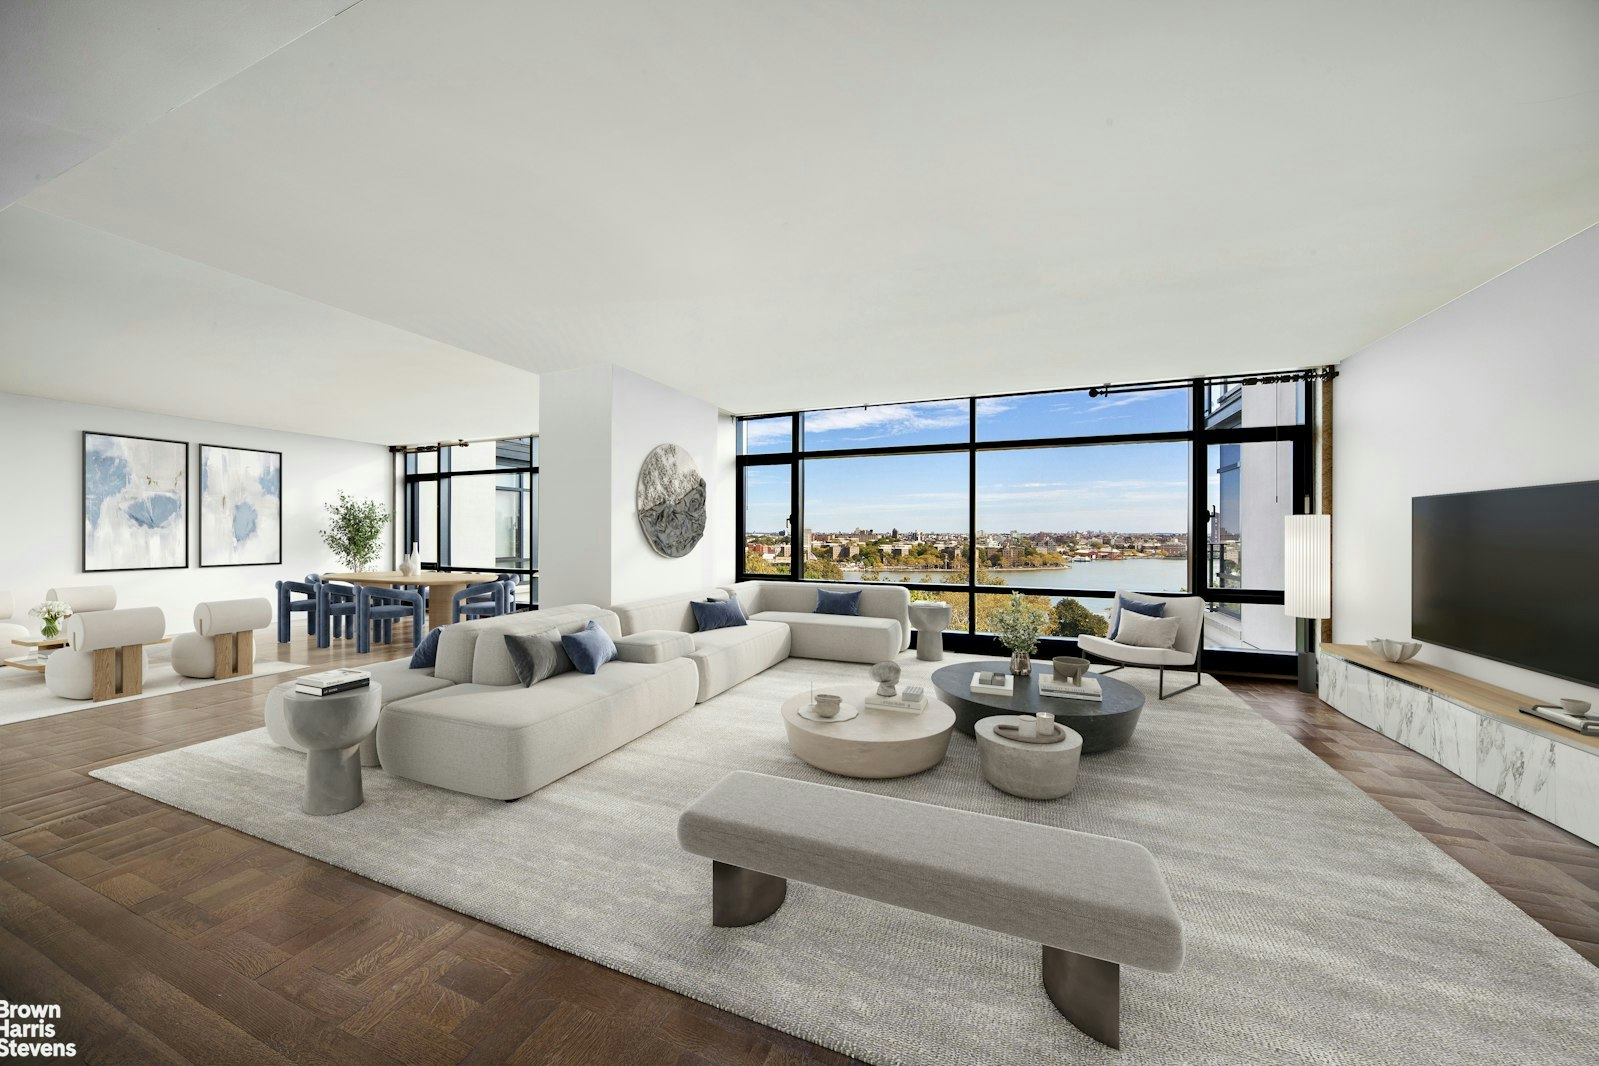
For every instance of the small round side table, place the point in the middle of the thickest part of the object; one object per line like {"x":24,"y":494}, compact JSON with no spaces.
{"x":1031,"y":771}
{"x":929,"y":618}
{"x":331,"y":729}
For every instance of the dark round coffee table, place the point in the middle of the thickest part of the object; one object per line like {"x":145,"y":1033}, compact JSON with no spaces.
{"x":1103,"y":725}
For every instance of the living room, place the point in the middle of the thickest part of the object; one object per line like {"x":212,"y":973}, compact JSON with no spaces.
{"x":799,"y":534}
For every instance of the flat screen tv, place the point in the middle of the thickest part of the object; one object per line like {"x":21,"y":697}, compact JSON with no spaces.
{"x":1511,"y":575}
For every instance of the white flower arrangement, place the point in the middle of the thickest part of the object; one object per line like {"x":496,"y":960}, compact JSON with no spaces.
{"x":51,"y":612}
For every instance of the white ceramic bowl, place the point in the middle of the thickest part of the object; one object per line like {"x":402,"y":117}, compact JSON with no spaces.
{"x":1577,"y":707}
{"x":1395,"y":651}
{"x":827,"y":705}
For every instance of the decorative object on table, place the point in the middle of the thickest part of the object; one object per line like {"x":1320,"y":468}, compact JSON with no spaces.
{"x":328,"y":682}
{"x":929,"y":618}
{"x":1042,"y":767}
{"x":1069,"y":669}
{"x":993,"y":683}
{"x":331,"y":730}
{"x":135,"y":509}
{"x":50,"y":614}
{"x":670,"y":498}
{"x":829,"y":707}
{"x":1018,"y":624}
{"x":1089,"y":689}
{"x":1395,"y":651}
{"x":1046,"y":723}
{"x":1307,"y":584}
{"x":1019,"y":731}
{"x":241,"y":506}
{"x":1577,"y":708}
{"x":912,"y":701}
{"x":887,"y":677}
{"x":354,"y":533}
{"x":411,"y":562}
{"x":1559,"y":716}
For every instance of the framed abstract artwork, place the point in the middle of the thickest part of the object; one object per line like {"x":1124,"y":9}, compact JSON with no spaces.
{"x":241,"y":506}
{"x":135,"y":503}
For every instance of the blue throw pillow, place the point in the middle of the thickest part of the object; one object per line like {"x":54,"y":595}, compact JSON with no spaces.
{"x":719,"y":614}
{"x":1153,"y":610}
{"x":426,"y":655}
{"x":829,"y":602}
{"x":590,"y":649}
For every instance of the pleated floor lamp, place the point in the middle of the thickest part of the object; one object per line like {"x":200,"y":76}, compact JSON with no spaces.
{"x":1307,"y":584}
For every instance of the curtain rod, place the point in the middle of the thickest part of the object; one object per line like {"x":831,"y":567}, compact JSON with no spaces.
{"x":462,"y":443}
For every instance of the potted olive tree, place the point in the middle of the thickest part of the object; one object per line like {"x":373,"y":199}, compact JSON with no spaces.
{"x":354,"y":533}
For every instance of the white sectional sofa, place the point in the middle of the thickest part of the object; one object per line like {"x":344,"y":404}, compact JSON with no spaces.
{"x":468,"y":724}
{"x":722,"y":657}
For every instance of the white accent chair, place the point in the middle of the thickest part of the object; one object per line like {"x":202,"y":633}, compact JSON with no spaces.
{"x":10,"y":631}
{"x":1186,"y":653}
{"x":223,"y":642}
{"x":104,"y":656}
{"x":85,"y":598}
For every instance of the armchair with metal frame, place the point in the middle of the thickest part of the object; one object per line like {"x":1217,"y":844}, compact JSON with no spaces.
{"x":1186,"y":653}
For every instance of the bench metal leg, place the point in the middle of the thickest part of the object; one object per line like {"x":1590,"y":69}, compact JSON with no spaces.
{"x":743,"y":897}
{"x":1087,"y":991}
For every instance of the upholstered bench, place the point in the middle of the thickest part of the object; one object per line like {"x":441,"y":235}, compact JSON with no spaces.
{"x":1094,"y":903}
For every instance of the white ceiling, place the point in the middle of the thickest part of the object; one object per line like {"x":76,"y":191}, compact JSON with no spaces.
{"x":93,"y":318}
{"x":819,"y":203}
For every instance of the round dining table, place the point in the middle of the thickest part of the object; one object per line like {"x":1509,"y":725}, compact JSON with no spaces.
{"x":442,"y":586}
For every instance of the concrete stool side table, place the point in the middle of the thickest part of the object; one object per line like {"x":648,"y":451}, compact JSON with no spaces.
{"x":929,"y":618}
{"x":1030,"y":771}
{"x":331,"y":729}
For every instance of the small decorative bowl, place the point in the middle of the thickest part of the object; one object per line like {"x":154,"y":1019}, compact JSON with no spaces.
{"x":826,"y":704}
{"x":1579,"y":708}
{"x":1070,"y":668}
{"x":1395,"y":651}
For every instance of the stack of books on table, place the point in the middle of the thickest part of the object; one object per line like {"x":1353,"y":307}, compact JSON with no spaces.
{"x":330,"y":681}
{"x":904,"y":702}
{"x":1064,"y":690}
{"x":992,"y":682}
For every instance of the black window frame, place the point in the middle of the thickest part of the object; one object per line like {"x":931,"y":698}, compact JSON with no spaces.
{"x":443,"y":477}
{"x":1204,"y":430}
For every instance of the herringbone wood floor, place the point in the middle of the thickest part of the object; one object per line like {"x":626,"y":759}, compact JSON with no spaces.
{"x":167,"y":938}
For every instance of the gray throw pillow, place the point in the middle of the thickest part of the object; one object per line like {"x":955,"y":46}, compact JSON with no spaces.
{"x":537,"y":656}
{"x":1142,"y":631}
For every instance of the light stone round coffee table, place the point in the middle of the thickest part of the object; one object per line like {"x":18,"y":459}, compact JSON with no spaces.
{"x":1031,"y":771}
{"x":872,"y":744}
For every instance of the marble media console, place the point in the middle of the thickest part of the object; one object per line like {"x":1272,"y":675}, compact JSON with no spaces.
{"x":1471,"y":729}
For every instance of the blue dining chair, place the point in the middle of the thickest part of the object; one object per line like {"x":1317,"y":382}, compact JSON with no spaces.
{"x":487,"y":600}
{"x":288,"y":606}
{"x":335,"y":612}
{"x":379,"y":608}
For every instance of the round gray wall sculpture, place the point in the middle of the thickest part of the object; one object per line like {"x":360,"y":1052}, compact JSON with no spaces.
{"x":671,"y":501}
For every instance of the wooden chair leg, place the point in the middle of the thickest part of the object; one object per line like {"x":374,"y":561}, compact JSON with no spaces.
{"x":223,"y":656}
{"x":117,"y":672}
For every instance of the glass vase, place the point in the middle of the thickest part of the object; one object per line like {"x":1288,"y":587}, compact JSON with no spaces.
{"x":1020,"y":664}
{"x":51,"y":629}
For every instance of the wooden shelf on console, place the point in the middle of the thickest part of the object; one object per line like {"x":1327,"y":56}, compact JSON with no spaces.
{"x":1478,"y":695}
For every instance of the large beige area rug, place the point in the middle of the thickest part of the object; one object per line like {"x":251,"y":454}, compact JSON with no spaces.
{"x":23,"y":696}
{"x":1320,"y":928}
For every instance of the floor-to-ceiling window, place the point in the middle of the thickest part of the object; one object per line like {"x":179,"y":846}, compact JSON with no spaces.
{"x":1064,"y":496}
{"x":475,"y":507}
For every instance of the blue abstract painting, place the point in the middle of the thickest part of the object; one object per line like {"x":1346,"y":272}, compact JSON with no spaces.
{"x":135,"y":503}
{"x":241,"y":506}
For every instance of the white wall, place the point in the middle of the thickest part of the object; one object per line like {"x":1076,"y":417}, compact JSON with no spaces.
{"x":1499,"y":388}
{"x":596,"y":425}
{"x":41,"y":484}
